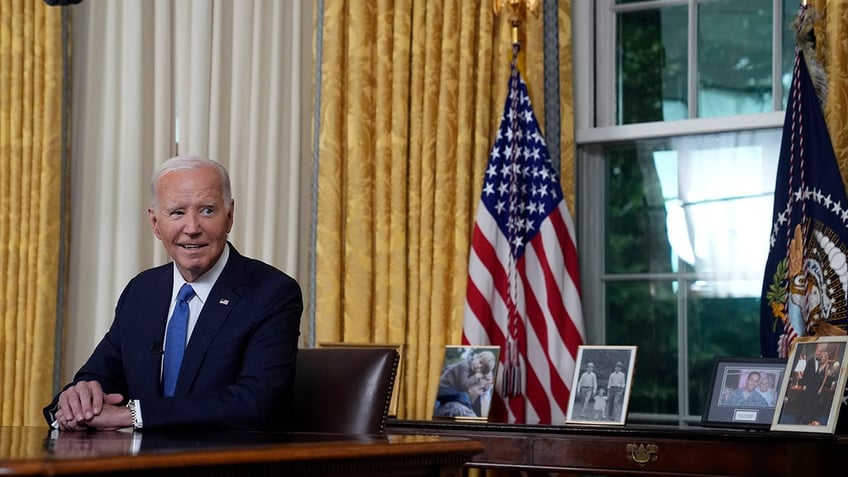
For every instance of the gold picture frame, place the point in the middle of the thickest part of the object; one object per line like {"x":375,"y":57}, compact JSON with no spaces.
{"x":466,"y":382}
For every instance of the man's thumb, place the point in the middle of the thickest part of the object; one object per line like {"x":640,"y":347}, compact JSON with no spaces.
{"x":113,"y":398}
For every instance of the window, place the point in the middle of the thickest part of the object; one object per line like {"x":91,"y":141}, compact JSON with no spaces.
{"x":679,"y":126}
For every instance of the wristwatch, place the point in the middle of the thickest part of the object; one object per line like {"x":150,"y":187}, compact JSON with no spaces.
{"x":134,"y":412}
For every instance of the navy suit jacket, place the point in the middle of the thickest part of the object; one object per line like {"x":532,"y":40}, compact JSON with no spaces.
{"x":238,"y":368}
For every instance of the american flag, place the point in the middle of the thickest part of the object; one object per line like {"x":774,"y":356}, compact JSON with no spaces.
{"x":523,"y":281}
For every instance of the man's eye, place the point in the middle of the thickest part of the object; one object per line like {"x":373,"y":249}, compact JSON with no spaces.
{"x":176,"y":213}
{"x":207,"y":211}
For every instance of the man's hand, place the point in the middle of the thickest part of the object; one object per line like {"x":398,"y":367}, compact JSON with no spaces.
{"x":81,"y":403}
{"x":112,"y":417}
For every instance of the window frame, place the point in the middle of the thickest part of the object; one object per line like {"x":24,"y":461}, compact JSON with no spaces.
{"x":594,"y":79}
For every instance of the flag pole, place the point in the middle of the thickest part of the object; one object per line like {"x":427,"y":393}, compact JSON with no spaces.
{"x":521,"y":249}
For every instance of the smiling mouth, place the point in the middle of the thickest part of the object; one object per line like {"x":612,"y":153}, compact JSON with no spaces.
{"x":190,"y":246}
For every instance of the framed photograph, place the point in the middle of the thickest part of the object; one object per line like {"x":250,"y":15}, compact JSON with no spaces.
{"x":600,"y":391}
{"x":744,"y":392}
{"x":467,"y":382}
{"x":813,"y":384}
{"x":393,"y":405}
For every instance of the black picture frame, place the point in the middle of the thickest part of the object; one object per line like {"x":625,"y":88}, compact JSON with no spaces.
{"x":731,"y":404}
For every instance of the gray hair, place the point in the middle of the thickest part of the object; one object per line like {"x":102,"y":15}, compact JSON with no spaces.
{"x":183,"y":163}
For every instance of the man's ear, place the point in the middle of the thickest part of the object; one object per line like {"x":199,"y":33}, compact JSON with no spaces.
{"x":230,"y":214}
{"x":154,"y":223}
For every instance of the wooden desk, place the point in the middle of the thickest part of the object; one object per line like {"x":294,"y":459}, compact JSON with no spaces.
{"x":38,"y":451}
{"x":642,"y":450}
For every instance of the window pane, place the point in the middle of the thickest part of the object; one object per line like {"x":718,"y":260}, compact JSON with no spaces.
{"x":719,"y":191}
{"x":651,"y":65}
{"x":636,"y":238}
{"x":717,"y":326}
{"x":698,"y":204}
{"x":645,"y":314}
{"x":734,"y":57}
{"x":790,"y":13}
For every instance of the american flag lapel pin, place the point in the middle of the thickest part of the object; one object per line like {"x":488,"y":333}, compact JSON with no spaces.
{"x":224,"y":301}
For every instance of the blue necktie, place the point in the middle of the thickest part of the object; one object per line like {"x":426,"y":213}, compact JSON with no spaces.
{"x":175,"y":340}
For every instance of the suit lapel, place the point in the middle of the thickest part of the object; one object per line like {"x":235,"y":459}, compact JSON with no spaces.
{"x":151,"y":335}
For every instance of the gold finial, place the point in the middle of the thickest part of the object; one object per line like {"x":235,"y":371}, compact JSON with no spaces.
{"x":517,"y":9}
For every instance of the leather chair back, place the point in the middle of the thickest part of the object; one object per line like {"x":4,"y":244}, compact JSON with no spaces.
{"x":343,"y":390}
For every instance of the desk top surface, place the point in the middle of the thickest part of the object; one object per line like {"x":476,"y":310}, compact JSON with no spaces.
{"x":29,"y":450}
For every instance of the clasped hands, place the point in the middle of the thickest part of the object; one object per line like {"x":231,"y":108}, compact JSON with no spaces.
{"x":84,"y":406}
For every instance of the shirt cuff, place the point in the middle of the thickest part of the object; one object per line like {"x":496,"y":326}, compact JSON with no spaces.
{"x":139,"y":421}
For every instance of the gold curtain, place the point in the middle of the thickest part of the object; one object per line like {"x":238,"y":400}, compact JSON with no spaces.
{"x":411,"y":95}
{"x":31,"y":64}
{"x":831,"y":31}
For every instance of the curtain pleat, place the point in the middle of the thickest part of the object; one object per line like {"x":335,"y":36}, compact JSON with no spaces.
{"x":31,"y":222}
{"x":237,"y":62}
{"x":568,"y":149}
{"x":122,"y":116}
{"x":411,"y":95}
{"x":831,"y":32}
{"x":156,"y":78}
{"x":330,"y":234}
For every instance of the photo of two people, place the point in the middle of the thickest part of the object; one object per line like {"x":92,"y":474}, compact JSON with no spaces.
{"x":467,"y":382}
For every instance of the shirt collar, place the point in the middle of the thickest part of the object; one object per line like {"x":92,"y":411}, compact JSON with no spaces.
{"x":203,"y":285}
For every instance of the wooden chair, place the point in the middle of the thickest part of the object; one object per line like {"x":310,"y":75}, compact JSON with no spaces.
{"x":343,"y":390}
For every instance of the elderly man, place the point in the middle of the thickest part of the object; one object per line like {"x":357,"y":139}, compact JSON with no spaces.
{"x":209,"y":340}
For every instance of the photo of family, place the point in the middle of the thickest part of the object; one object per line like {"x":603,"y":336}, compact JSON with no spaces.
{"x":813,"y":386}
{"x":467,"y":382}
{"x":601,"y":388}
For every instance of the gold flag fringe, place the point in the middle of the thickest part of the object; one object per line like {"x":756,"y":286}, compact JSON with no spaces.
{"x":805,"y":38}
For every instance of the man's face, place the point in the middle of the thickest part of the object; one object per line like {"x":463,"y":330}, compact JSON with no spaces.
{"x":476,"y":390}
{"x":476,"y":364}
{"x":191,"y":219}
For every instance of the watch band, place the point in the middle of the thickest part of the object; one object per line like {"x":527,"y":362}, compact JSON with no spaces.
{"x":134,"y":412}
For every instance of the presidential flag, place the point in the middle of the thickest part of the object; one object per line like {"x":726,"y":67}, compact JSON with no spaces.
{"x":523,"y":280}
{"x":806,"y":276}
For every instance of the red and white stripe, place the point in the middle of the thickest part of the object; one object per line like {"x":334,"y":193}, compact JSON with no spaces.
{"x":547,"y":302}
